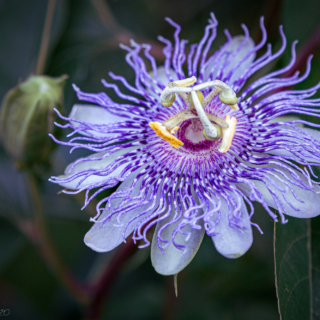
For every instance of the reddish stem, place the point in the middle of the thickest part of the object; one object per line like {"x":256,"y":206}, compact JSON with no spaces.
{"x":108,"y":279}
{"x":120,"y":33}
{"x":310,"y":46}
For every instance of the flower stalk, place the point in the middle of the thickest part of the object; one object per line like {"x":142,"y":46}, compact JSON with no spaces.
{"x":108,"y":278}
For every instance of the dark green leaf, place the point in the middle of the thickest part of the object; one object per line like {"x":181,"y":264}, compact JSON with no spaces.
{"x":315,"y":245}
{"x":297,"y":263}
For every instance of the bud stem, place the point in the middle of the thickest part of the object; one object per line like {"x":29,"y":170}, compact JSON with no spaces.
{"x":44,"y":245}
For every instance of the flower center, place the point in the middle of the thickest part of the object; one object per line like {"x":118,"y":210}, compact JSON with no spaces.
{"x":191,"y":135}
{"x":213,"y":127}
{"x":194,"y":131}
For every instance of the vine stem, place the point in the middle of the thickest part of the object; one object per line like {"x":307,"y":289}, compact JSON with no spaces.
{"x":45,"y":38}
{"x":311,"y":45}
{"x":120,"y":33}
{"x":108,"y":278}
{"x":43,"y":243}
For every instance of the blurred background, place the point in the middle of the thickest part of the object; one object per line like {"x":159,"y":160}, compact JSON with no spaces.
{"x":46,"y":271}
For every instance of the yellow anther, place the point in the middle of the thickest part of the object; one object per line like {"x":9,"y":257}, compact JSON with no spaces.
{"x":163,"y":132}
{"x":173,"y":131}
{"x":200,"y":97}
{"x":186,"y":82}
{"x":167,"y":100}
{"x":234,"y":107}
{"x":228,"y":134}
{"x":181,"y":83}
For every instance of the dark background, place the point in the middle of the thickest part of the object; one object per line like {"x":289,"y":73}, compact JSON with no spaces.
{"x":84,"y":45}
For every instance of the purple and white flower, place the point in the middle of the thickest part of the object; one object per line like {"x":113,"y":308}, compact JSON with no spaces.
{"x":193,"y":147}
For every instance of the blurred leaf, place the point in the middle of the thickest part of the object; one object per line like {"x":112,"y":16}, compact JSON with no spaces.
{"x":315,"y":244}
{"x":297,"y":265}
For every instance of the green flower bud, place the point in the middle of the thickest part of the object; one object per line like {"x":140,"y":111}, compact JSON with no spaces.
{"x":27,"y":116}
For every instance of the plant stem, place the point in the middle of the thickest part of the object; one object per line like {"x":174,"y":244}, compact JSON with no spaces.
{"x":108,"y":278}
{"x":45,"y":38}
{"x":119,"y":33}
{"x":42,"y":241}
{"x":310,"y":46}
{"x":105,"y":15}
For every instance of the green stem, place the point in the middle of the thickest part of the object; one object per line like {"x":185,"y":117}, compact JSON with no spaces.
{"x":45,"y":38}
{"x":45,"y":248}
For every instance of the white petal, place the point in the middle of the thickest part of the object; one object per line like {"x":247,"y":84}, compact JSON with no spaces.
{"x":249,"y":45}
{"x":94,"y":115}
{"x":233,"y":243}
{"x":307,"y":209}
{"x":161,"y":71}
{"x":173,"y":261}
{"x":95,"y":164}
{"x":287,"y":119}
{"x":162,"y":76}
{"x":285,"y":153}
{"x":312,"y":132}
{"x":103,"y":238}
{"x":231,"y":61}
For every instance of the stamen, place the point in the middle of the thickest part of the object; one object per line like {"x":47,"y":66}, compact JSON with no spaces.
{"x":217,"y":120}
{"x":163,"y":132}
{"x":210,"y":96}
{"x":227,"y":95}
{"x":228,"y":134}
{"x":173,"y":131}
{"x":175,"y":120}
{"x":196,"y":100}
{"x":167,"y":96}
{"x":186,"y":82}
{"x":172,"y":97}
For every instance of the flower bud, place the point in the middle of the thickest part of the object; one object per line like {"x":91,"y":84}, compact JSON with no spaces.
{"x":27,"y":116}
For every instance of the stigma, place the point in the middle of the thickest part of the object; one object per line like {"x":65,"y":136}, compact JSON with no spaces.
{"x":214,"y":127}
